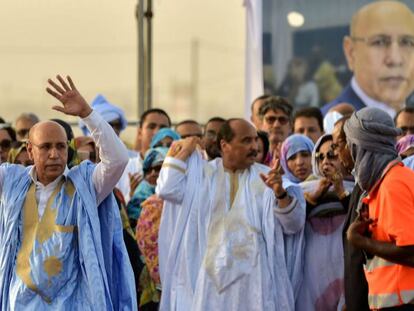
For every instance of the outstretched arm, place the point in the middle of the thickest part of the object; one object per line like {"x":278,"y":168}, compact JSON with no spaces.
{"x":113,"y":153}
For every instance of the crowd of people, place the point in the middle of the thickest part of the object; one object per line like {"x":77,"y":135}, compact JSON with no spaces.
{"x":299,"y":208}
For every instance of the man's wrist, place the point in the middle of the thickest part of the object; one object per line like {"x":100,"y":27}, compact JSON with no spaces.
{"x":183,"y":155}
{"x":281,"y":195}
{"x":85,"y":113}
{"x":358,"y":240}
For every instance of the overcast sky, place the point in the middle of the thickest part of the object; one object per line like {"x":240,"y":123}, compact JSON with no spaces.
{"x":95,"y":41}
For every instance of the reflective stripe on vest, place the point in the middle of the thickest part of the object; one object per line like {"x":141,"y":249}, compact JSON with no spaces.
{"x":383,"y":301}
{"x":407,"y":296}
{"x":390,"y":300}
{"x":383,"y":293}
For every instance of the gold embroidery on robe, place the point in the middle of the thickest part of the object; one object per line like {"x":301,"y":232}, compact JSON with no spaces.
{"x":232,"y":249}
{"x":41,"y":230}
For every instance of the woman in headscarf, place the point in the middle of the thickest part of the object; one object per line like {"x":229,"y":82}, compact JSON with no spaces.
{"x":405,"y":146}
{"x":148,"y":225}
{"x":151,"y":167}
{"x":18,"y":154}
{"x":327,"y":199}
{"x":164,"y":138}
{"x":295,"y":157}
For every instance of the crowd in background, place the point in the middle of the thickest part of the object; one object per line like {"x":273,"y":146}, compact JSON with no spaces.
{"x":304,"y":142}
{"x":352,"y":160}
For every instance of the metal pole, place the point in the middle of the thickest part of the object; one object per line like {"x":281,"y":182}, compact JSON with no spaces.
{"x":148,"y":15}
{"x":141,"y":57}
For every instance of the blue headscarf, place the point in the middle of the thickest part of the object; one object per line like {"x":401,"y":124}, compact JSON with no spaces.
{"x":153,"y":157}
{"x":108,"y":111}
{"x":162,"y":133}
{"x":291,"y":146}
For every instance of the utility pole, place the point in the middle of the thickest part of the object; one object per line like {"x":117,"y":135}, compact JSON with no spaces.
{"x":144,"y":23}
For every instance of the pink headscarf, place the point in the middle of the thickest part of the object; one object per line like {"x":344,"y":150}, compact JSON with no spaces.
{"x":405,"y":143}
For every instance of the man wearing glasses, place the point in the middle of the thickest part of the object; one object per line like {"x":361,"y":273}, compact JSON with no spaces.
{"x":380,"y":53}
{"x":60,"y":231}
{"x":276,"y":114}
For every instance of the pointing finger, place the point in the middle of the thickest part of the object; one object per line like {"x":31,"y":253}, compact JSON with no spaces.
{"x":276,"y":165}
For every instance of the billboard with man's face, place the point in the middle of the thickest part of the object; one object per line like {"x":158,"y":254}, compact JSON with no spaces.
{"x":303,"y":54}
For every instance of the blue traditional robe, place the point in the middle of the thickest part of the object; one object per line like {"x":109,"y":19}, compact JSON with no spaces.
{"x":73,"y":258}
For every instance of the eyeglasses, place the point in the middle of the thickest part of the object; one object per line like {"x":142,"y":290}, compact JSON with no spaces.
{"x":23,"y":132}
{"x":407,"y":129}
{"x":272,"y":119}
{"x":330,"y":155}
{"x":384,"y":42}
{"x":5,"y":144}
{"x":191,"y":135}
{"x":46,"y":147}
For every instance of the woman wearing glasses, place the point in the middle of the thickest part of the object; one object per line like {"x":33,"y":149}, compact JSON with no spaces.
{"x":327,"y":199}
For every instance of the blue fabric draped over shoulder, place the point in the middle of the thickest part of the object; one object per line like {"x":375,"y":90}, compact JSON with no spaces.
{"x":106,"y":281}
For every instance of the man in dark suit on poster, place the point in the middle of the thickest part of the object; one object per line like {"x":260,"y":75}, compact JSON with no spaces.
{"x":380,"y":53}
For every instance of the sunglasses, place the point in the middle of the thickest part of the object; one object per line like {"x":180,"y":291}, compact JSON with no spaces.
{"x":272,"y":119}
{"x":330,"y":155}
{"x":5,"y":144}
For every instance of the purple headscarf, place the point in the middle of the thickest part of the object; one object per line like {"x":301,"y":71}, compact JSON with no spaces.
{"x":291,"y":146}
{"x":405,"y":143}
